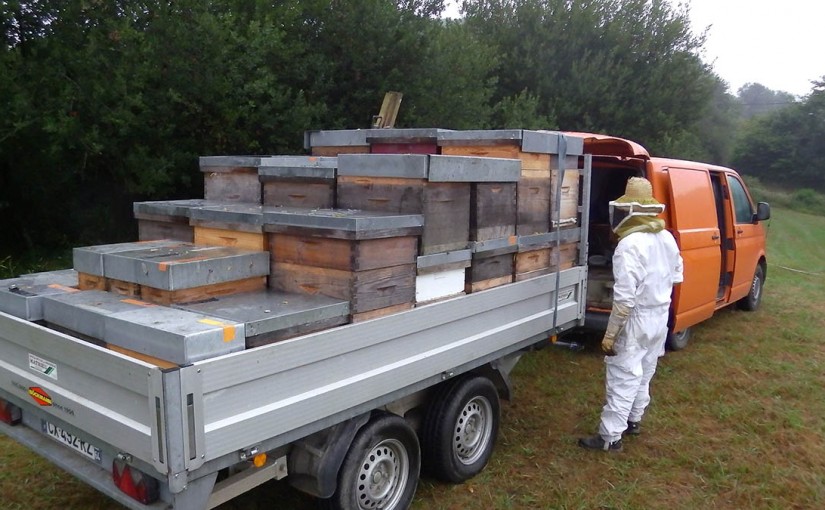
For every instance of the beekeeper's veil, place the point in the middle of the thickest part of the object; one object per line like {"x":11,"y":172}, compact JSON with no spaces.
{"x":636,"y":210}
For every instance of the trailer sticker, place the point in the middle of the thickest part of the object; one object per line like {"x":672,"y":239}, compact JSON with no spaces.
{"x":40,"y":396}
{"x":43,"y":366}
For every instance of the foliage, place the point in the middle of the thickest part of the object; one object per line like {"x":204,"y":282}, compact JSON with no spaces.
{"x":757,"y":99}
{"x":784,"y":147}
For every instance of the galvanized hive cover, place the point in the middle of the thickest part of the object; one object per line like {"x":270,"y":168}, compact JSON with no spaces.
{"x":297,"y":167}
{"x":185,"y":266}
{"x":172,"y":208}
{"x":343,"y":223}
{"x":473,"y":169}
{"x":23,"y":296}
{"x":268,"y":311}
{"x":174,"y":335}
{"x":84,"y":312}
{"x":89,"y":259}
{"x":403,"y":166}
{"x":216,"y":163}
{"x":238,"y":214}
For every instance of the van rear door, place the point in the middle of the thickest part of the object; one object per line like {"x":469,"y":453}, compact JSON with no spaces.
{"x":695,"y":225}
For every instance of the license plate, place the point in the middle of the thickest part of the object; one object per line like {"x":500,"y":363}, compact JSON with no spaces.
{"x":72,"y":441}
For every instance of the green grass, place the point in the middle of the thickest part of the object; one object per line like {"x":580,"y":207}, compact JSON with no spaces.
{"x":737,"y":420}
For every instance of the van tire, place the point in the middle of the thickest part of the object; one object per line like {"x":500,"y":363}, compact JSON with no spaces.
{"x":751,"y":302}
{"x":460,"y":429}
{"x":677,"y":341}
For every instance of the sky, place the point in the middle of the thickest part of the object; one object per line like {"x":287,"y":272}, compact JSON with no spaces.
{"x":780,"y":44}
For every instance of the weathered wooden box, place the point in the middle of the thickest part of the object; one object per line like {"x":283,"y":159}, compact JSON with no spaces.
{"x":489,"y":270}
{"x":366,"y":258}
{"x":167,"y":219}
{"x":542,"y":261}
{"x":231,"y":178}
{"x":233,"y":225}
{"x":298,"y":181}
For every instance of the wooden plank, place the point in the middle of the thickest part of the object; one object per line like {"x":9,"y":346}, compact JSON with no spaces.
{"x":492,"y":211}
{"x":206,"y":236}
{"x":282,"y":193}
{"x":471,"y":287}
{"x":122,"y":288}
{"x":366,"y":290}
{"x":331,"y":151}
{"x":162,"y":363}
{"x":533,"y":197}
{"x":152,"y":230}
{"x":487,"y":151}
{"x":381,"y":312}
{"x":239,"y":185}
{"x":381,"y":194}
{"x":301,"y":329}
{"x":563,"y":257}
{"x":86,"y":281}
{"x":205,"y":292}
{"x":404,"y":148}
{"x":446,"y":212}
{"x":569,"y":206}
{"x":532,"y":260}
{"x":347,"y":255}
{"x":485,"y":268}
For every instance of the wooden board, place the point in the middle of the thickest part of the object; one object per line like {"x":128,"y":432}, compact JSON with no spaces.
{"x":381,"y":312}
{"x":239,"y":185}
{"x":485,"y":268}
{"x":121,"y":288}
{"x":312,"y":195}
{"x":533,"y":202}
{"x":195,"y":294}
{"x":87,"y":281}
{"x":331,"y":151}
{"x":487,"y":151}
{"x":366,"y":290}
{"x":404,"y":148}
{"x":301,"y":329}
{"x":162,"y":363}
{"x":471,"y":287}
{"x":533,"y":260}
{"x":446,"y":212}
{"x":343,"y":254}
{"x":569,"y":196}
{"x":152,"y":230}
{"x":206,"y":236}
{"x":492,"y":211}
{"x":563,"y":257}
{"x":381,"y":194}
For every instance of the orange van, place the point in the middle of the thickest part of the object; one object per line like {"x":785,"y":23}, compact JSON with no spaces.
{"x":709,"y":211}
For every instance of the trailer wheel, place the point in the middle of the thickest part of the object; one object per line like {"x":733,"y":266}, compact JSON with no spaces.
{"x":381,"y":468}
{"x":676,"y":341}
{"x":751,"y":302}
{"x":460,"y":429}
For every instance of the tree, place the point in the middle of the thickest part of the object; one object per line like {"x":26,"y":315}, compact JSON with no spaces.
{"x":757,"y":99}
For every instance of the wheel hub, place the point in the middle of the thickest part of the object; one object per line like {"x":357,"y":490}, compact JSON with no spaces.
{"x":473,"y":430}
{"x":383,"y":475}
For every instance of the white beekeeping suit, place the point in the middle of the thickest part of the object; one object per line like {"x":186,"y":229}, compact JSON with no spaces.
{"x":646,"y":265}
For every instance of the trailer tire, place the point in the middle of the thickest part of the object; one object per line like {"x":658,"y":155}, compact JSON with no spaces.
{"x":676,"y":341}
{"x":751,"y":302}
{"x":381,"y":468}
{"x":460,"y":429}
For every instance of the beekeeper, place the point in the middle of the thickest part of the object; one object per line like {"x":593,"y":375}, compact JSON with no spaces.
{"x":646,"y":265}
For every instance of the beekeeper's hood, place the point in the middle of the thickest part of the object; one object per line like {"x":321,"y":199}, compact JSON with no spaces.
{"x":636,"y":210}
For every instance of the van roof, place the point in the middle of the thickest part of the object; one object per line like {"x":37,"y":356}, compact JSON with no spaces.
{"x":605,"y":145}
{"x":668,"y":162}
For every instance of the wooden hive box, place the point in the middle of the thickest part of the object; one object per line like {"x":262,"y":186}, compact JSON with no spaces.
{"x":366,"y":258}
{"x":441,"y":276}
{"x":568,"y":209}
{"x":402,"y":183}
{"x":233,"y":225}
{"x":298,"y":181}
{"x":231,"y":178}
{"x":166,"y":219}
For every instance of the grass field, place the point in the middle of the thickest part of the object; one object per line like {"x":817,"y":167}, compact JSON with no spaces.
{"x":737,"y":420}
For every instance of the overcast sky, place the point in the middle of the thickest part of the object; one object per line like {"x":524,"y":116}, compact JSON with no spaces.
{"x":780,"y":44}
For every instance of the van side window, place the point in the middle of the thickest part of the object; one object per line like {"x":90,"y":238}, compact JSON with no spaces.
{"x":741,"y":203}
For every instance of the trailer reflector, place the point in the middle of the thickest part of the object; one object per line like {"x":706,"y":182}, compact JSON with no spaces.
{"x":134,"y":483}
{"x":10,"y":413}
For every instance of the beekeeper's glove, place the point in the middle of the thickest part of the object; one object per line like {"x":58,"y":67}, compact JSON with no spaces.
{"x":618,"y":318}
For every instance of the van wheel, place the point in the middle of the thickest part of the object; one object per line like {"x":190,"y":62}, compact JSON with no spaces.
{"x":676,"y":341}
{"x":381,"y":468}
{"x":754,"y":297}
{"x":460,"y":429}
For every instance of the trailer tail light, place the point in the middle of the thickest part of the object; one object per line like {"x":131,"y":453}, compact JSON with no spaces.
{"x":133,"y":483}
{"x":10,"y":413}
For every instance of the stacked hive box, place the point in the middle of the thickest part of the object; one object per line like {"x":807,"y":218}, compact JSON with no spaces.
{"x":298,"y":181}
{"x":366,"y":258}
{"x":23,"y":296}
{"x":232,"y":225}
{"x":231,"y":178}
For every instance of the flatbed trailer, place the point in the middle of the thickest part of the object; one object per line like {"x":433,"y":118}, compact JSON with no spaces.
{"x":312,"y":409}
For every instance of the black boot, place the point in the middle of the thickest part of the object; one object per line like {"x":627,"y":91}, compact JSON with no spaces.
{"x":597,"y":443}
{"x":634,"y":428}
